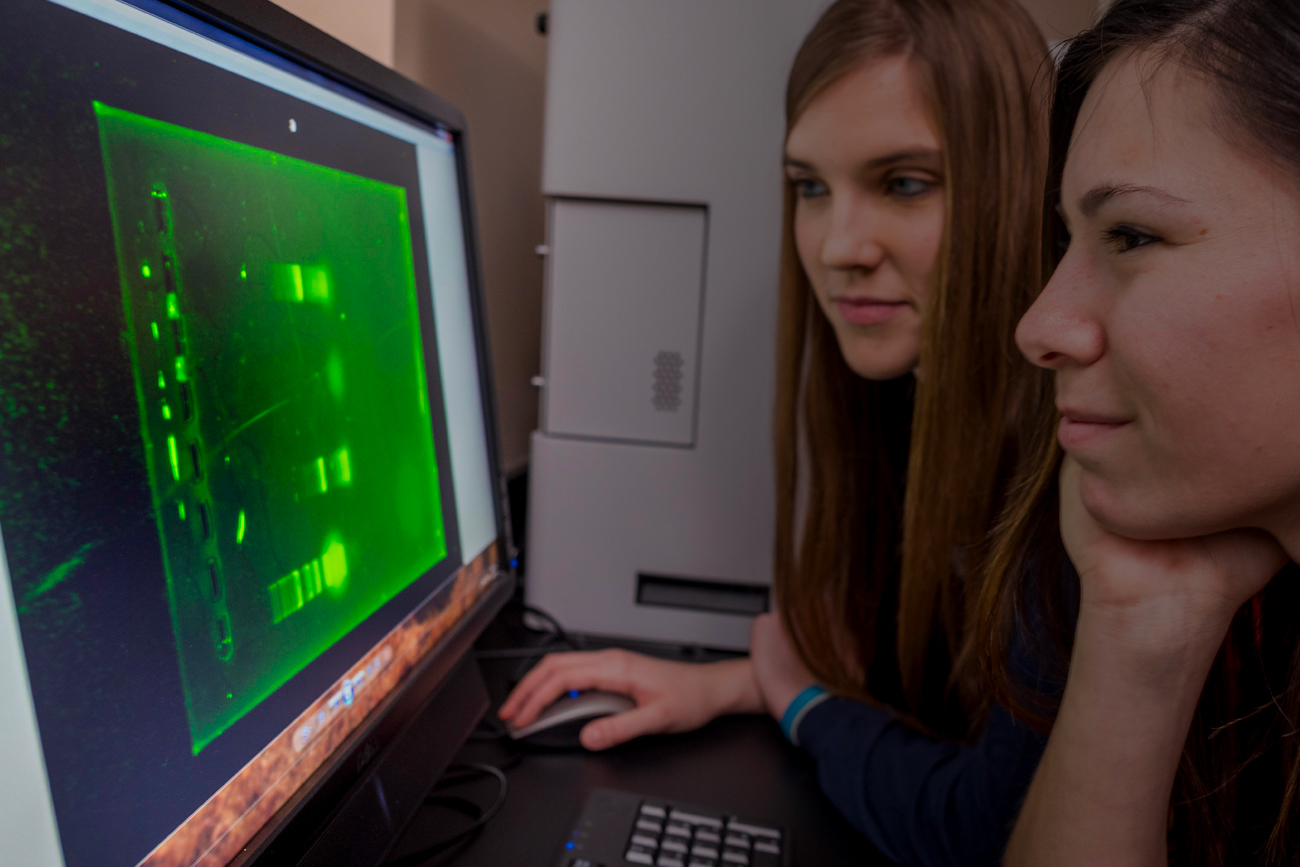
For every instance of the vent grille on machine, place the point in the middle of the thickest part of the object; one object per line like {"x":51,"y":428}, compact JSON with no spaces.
{"x":667,"y":389}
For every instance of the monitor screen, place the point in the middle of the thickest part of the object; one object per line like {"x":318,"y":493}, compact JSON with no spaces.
{"x":245,"y":473}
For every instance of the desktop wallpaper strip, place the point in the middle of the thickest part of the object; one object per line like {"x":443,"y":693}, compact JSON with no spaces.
{"x":284,"y":412}
{"x":220,"y":829}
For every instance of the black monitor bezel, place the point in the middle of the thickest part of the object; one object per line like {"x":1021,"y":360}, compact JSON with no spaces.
{"x":267,"y":26}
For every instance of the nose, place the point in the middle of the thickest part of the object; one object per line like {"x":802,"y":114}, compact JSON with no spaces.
{"x":1063,"y":327}
{"x":855,"y":238}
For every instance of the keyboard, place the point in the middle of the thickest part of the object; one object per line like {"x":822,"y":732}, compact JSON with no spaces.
{"x":618,"y":829}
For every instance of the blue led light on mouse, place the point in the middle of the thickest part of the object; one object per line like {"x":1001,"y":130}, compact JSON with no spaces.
{"x":573,"y":693}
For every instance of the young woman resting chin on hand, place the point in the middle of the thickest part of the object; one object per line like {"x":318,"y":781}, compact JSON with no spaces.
{"x":1170,"y":330}
{"x":909,"y":123}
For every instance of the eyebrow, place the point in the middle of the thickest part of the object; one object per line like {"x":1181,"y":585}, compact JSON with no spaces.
{"x":877,"y":163}
{"x":1090,"y":202}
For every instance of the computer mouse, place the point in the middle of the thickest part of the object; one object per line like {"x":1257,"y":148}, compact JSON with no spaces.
{"x":559,"y":724}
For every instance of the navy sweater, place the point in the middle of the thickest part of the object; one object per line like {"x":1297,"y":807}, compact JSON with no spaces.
{"x":925,"y":802}
{"x":921,"y":801}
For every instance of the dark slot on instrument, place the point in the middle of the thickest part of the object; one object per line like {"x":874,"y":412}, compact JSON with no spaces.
{"x":694,"y":594}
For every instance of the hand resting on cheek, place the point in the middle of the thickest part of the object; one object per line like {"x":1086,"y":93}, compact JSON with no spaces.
{"x":1162,"y":596}
{"x":1152,"y":617}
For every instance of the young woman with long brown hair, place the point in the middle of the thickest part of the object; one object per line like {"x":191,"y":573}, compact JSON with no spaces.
{"x":914,"y":163}
{"x":1170,"y":328}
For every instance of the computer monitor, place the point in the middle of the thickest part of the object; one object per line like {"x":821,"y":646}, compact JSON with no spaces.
{"x":250,"y":515}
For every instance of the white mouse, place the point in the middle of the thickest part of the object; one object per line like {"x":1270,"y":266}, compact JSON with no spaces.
{"x":559,"y":724}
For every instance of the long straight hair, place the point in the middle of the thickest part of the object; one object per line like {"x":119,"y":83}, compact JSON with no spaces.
{"x":886,"y":491}
{"x":1237,"y":789}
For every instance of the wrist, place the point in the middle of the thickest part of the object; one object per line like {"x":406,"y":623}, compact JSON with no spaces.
{"x":1158,"y":651}
{"x":1163,"y":630}
{"x":736,"y":687}
{"x":781,"y":695}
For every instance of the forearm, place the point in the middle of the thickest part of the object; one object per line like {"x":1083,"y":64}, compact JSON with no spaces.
{"x":920,"y":801}
{"x":1101,"y":793}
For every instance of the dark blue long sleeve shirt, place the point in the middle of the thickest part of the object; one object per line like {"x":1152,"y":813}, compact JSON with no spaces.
{"x":918,"y":800}
{"x":929,"y":803}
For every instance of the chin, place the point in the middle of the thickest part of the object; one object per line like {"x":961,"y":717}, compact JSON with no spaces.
{"x":1137,"y":510}
{"x":873,"y":363}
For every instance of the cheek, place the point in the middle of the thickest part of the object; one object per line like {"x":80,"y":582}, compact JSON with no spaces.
{"x":918,"y":247}
{"x":1211,"y":365}
{"x":1214,"y":377}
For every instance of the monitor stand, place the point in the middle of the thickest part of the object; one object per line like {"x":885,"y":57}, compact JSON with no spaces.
{"x":354,"y":809}
{"x":371,"y":819}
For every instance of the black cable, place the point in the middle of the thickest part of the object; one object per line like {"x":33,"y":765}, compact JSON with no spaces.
{"x":559,"y":630}
{"x":454,"y":775}
{"x":559,"y":633}
{"x":489,"y":729}
{"x":512,"y":758}
{"x":526,"y":655}
{"x":456,"y":803}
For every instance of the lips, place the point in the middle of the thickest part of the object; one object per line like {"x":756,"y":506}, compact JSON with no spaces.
{"x":1080,"y":428}
{"x":868,"y":311}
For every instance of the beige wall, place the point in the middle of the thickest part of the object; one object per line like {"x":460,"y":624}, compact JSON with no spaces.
{"x":366,"y":25}
{"x":487,"y":58}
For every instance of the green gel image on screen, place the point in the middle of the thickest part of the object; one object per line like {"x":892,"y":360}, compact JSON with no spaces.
{"x":283,"y":400}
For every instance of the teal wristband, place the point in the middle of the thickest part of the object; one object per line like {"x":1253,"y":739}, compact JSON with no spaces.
{"x":798,"y":709}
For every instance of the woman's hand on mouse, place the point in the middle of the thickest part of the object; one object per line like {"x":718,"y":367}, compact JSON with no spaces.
{"x":670,"y":696}
{"x":781,"y":675}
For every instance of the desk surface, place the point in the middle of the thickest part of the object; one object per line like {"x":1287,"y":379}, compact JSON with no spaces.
{"x":736,"y":764}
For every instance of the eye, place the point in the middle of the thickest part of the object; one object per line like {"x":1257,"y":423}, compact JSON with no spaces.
{"x":808,"y":188}
{"x":1124,"y":238}
{"x":907,"y":187}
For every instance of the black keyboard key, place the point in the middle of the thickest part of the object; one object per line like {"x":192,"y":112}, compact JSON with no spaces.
{"x":696,"y":819}
{"x":753,"y":830}
{"x":624,"y":828}
{"x":649,"y":826}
